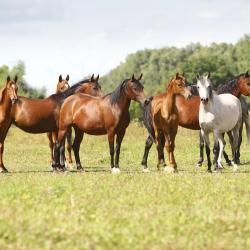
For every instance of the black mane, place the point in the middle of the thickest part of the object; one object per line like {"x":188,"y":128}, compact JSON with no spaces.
{"x":70,"y":91}
{"x":229,"y":86}
{"x":116,"y":94}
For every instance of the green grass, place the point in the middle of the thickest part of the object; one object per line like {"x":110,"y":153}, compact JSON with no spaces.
{"x":97,"y":210}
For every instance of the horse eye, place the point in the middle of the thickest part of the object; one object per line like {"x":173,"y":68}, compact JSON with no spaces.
{"x":95,"y":88}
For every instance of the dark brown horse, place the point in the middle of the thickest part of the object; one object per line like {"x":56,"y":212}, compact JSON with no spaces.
{"x":188,"y":111}
{"x":161,"y":119}
{"x":41,"y":116}
{"x":98,"y":116}
{"x":8,"y":98}
{"x":61,"y":87}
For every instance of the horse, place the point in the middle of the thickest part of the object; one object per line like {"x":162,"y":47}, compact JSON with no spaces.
{"x":215,"y":115}
{"x":41,"y":115}
{"x":161,"y":120}
{"x":8,"y":98}
{"x":98,"y":116}
{"x":188,"y":111}
{"x":62,"y":86}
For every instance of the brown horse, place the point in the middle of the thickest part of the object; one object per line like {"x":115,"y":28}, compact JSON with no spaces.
{"x":8,"y":98}
{"x":188,"y":111}
{"x":41,"y":116}
{"x":98,"y":116}
{"x":161,"y":119}
{"x":62,"y":86}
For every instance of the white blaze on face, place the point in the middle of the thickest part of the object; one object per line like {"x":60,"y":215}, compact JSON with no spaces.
{"x":13,"y":86}
{"x":203,"y":84}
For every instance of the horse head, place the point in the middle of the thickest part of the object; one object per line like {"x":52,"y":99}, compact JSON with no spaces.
{"x":62,"y":84}
{"x":243,"y":83}
{"x":178,"y":85}
{"x":11,"y":87}
{"x":134,"y":90}
{"x":204,"y":87}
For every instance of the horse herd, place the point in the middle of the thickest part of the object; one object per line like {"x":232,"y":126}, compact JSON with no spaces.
{"x":84,"y":108}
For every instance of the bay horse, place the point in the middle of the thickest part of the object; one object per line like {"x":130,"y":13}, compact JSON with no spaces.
{"x":62,"y":86}
{"x":8,"y":98}
{"x":98,"y":116}
{"x":215,"y":115}
{"x":41,"y":115}
{"x":161,"y":119}
{"x":188,"y":111}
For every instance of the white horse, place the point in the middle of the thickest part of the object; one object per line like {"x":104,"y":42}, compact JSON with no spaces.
{"x":218,"y":114}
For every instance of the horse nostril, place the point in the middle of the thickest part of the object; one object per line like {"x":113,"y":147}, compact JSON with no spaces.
{"x":146,"y":102}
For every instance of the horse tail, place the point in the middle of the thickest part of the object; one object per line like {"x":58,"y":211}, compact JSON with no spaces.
{"x":245,"y":117}
{"x":147,"y":119}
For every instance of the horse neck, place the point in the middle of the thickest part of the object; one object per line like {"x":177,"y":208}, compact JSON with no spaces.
{"x":236,"y":91}
{"x":124,"y":101}
{"x":169,"y":102}
{"x":5,"y":102}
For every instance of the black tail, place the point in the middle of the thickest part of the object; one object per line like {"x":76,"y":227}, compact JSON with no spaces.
{"x":147,"y":119}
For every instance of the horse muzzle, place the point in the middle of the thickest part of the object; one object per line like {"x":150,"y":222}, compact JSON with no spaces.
{"x":204,"y":100}
{"x":14,"y":100}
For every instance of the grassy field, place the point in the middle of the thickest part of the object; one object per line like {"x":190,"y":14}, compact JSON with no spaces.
{"x":97,"y":210}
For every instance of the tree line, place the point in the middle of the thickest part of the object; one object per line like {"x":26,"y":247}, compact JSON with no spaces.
{"x":223,"y":60}
{"x":24,"y":89}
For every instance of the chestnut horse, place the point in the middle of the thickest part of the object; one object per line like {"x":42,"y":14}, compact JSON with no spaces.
{"x":8,"y":98}
{"x":62,"y":86}
{"x":41,"y":115}
{"x":188,"y":111}
{"x":98,"y":116}
{"x":161,"y":119}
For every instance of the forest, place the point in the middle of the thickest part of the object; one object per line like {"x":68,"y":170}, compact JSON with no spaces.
{"x":223,"y":60}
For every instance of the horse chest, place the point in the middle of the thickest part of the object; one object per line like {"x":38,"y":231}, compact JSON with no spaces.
{"x":207,"y":121}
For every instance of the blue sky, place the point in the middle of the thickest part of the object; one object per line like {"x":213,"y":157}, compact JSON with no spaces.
{"x":84,"y":37}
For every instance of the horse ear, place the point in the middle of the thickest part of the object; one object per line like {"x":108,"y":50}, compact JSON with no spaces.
{"x":183,"y":74}
{"x":92,"y":79}
{"x":16,"y":78}
{"x":60,"y":78}
{"x":67,"y":77}
{"x":140,"y":77}
{"x":247,"y":74}
{"x":8,"y":79}
{"x":133,"y":78}
{"x":198,"y":76}
{"x":176,"y":75}
{"x":97,"y":78}
{"x":208,"y":75}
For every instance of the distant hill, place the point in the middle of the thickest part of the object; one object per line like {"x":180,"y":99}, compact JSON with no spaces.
{"x":159,"y":65}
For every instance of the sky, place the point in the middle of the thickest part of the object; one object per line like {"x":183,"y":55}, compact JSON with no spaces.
{"x":81,"y":37}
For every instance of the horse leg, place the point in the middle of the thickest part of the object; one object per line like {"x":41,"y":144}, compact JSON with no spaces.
{"x":222,"y":146}
{"x":76,"y":147}
{"x":207,"y":143}
{"x":235,"y":144}
{"x":160,"y":150}
{"x":69,"y":147}
{"x":237,"y":159}
{"x":199,"y":163}
{"x":3,"y":132}
{"x":111,"y":137}
{"x":2,"y":168}
{"x":51,"y":146}
{"x":169,"y":145}
{"x":119,"y":138}
{"x":148,"y":145}
{"x":59,"y":148}
{"x":216,"y":150}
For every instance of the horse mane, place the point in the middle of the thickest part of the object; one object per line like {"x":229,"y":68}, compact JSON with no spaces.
{"x":115,"y":95}
{"x":229,"y":86}
{"x":1,"y":93}
{"x":70,"y":91}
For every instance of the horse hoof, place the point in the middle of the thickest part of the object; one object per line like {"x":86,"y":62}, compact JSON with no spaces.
{"x":81,"y":169}
{"x":229,"y":163}
{"x":70,"y":166}
{"x":170,"y":170}
{"x":235,"y":167}
{"x":115,"y":170}
{"x":209,"y":171}
{"x":145,"y":170}
{"x":3,"y":170}
{"x":199,"y":164}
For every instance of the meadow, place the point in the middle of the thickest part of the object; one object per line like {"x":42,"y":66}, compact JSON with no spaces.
{"x":133,"y":210}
